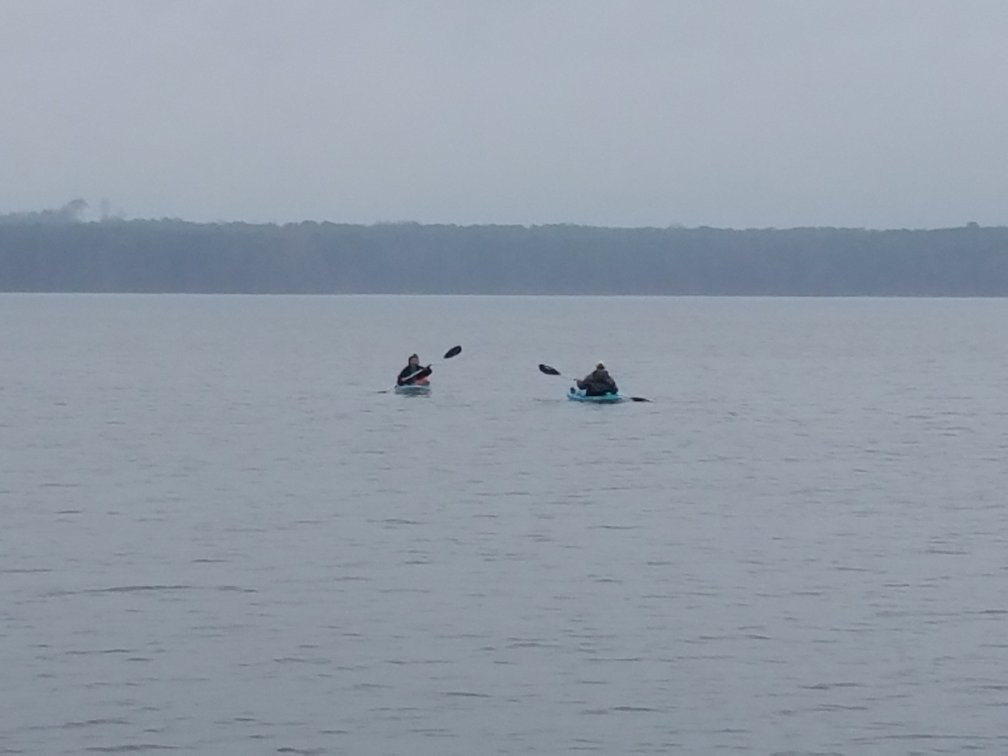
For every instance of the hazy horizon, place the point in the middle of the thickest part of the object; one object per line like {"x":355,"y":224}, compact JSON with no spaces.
{"x":100,"y":212}
{"x":779,"y":114}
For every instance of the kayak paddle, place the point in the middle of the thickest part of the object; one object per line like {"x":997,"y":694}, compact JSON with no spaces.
{"x":548,"y":370}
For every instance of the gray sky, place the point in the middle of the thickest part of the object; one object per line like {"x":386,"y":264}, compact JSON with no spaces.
{"x":747,"y":113}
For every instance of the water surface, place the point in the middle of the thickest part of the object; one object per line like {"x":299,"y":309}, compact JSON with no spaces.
{"x":217,"y":537}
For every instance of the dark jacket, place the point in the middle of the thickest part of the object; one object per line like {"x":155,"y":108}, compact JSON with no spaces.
{"x":412,"y":373}
{"x":598,"y":382}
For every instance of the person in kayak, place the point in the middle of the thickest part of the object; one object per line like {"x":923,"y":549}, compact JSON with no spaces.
{"x":598,"y":382}
{"x":413,"y":374}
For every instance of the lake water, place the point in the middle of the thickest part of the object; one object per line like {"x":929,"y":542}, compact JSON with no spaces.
{"x":218,"y":538}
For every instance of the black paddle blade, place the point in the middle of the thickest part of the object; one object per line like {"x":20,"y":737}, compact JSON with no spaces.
{"x":639,"y":399}
{"x":452,"y":352}
{"x":548,"y":370}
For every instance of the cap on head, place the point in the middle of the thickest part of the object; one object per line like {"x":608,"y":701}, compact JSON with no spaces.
{"x":413,"y":356}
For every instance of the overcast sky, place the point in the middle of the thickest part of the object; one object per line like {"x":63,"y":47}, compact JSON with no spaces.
{"x":747,"y":113}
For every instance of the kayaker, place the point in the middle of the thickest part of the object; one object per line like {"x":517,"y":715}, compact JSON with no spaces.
{"x":413,"y":374}
{"x":598,"y":382}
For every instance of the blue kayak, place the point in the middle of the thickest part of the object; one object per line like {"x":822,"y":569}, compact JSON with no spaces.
{"x":579,"y":395}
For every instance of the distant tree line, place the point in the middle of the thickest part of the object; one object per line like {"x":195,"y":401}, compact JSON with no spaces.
{"x":53,"y":251}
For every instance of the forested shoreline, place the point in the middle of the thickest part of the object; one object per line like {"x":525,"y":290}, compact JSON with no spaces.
{"x":54,"y":252}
